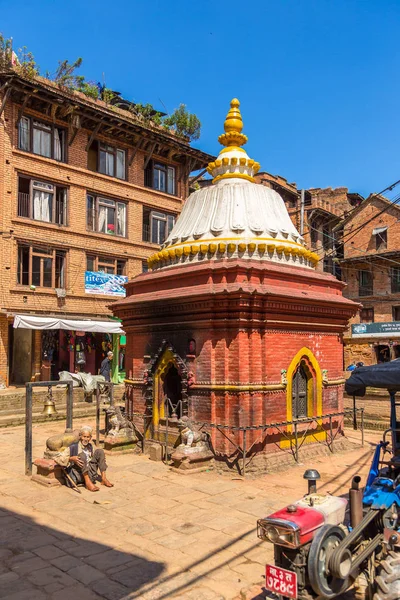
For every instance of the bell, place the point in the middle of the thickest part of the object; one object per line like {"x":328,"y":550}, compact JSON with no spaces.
{"x":49,"y":407}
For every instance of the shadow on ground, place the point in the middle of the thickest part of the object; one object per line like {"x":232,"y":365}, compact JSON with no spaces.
{"x":40,"y":563}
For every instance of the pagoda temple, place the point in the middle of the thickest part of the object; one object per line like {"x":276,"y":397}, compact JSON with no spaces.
{"x":233,"y":326}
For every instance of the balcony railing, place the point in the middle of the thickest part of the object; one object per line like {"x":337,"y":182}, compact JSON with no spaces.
{"x":23,"y":205}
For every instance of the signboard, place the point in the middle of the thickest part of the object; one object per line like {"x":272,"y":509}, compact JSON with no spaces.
{"x":280,"y":581}
{"x":105,"y":284}
{"x":390,"y":329}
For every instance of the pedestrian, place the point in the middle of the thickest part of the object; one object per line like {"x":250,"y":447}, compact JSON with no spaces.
{"x":105,"y":368}
{"x":83,"y":461}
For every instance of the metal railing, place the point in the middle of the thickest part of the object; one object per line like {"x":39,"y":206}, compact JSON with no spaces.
{"x":24,"y":205}
{"x":293,"y":433}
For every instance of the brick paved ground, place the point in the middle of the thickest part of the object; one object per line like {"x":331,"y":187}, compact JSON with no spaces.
{"x":155,"y":535}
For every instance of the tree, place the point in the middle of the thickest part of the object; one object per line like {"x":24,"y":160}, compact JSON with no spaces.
{"x":184,"y":123}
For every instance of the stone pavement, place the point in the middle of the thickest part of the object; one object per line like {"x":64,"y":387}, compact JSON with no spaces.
{"x":155,"y":535}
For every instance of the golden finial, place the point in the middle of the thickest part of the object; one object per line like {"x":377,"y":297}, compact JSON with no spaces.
{"x":233,"y":126}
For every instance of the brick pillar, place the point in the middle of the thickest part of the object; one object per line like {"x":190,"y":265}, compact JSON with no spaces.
{"x":4,"y":374}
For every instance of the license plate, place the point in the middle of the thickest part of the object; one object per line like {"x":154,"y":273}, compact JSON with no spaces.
{"x":280,"y":581}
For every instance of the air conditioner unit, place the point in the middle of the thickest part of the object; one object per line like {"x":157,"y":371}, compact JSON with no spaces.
{"x":61,"y":292}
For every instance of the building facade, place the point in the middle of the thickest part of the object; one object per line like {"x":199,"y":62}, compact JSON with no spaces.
{"x":88,"y":191}
{"x":316,"y":212}
{"x":371,"y":269}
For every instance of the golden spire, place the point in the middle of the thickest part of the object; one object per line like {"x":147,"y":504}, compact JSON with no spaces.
{"x":233,"y":126}
{"x":233,"y":161}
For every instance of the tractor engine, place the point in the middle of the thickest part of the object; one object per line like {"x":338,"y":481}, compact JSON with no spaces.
{"x":301,"y":547}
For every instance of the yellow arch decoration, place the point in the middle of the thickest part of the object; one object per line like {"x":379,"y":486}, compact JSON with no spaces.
{"x":167,"y":360}
{"x":314,"y":391}
{"x":304,"y":353}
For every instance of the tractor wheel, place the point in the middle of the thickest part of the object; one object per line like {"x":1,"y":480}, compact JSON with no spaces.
{"x":388,"y":581}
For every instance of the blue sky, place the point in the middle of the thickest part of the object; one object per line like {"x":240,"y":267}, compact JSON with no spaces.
{"x":318,"y":80}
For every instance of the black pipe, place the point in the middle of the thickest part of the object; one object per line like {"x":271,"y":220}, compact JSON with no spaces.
{"x":356,"y":504}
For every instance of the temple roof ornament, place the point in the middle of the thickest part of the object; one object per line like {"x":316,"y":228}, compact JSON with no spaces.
{"x":234,"y":217}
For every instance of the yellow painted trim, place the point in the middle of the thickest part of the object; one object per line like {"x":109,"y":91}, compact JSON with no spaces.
{"x":166,"y":362}
{"x":238,"y":240}
{"x":231,"y":149}
{"x":317,"y":390}
{"x":233,"y":175}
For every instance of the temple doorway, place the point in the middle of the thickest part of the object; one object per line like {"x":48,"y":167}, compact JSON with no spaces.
{"x":173,"y":391}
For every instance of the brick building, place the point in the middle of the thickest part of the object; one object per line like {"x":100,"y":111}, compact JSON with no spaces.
{"x":323,"y":211}
{"x":371,"y":269}
{"x":86,"y":188}
{"x":233,"y":326}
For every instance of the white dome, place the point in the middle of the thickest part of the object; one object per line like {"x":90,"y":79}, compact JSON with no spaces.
{"x":234,"y":217}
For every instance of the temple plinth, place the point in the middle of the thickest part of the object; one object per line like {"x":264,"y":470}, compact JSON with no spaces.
{"x":233,"y":326}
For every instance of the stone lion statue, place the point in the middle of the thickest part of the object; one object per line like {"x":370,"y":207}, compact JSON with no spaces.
{"x":120,"y":425}
{"x":190,"y":435}
{"x":58,"y":443}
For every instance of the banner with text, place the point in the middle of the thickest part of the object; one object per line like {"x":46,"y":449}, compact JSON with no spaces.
{"x":106,"y":284}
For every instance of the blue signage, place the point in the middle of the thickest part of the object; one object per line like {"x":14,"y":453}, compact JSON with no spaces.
{"x":106,"y":284}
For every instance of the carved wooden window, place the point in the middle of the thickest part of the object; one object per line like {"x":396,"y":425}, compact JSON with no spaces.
{"x":299,"y":394}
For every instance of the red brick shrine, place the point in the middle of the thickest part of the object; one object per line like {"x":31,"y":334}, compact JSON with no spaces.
{"x":233,"y":324}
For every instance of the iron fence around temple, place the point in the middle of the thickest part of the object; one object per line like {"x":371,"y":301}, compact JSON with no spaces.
{"x":323,"y":429}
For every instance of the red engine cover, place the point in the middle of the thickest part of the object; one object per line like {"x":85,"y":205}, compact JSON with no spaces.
{"x":307,"y":519}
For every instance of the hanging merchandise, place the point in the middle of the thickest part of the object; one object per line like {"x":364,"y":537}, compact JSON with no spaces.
{"x":69,"y":336}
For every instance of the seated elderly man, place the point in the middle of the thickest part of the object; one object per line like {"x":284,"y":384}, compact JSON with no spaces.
{"x":83,"y":461}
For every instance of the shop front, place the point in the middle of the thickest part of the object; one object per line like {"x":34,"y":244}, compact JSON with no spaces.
{"x":372,"y":343}
{"x":74,"y":345}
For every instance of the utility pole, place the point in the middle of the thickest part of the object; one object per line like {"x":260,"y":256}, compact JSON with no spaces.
{"x":302,"y":196}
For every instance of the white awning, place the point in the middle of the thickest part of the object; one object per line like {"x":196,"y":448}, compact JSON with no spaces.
{"x":378,"y":230}
{"x":35,"y":322}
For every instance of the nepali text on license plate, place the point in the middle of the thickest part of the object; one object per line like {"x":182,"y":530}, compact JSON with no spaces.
{"x":281,"y":581}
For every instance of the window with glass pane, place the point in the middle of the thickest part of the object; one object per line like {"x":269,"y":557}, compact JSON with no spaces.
{"x":24,"y":133}
{"x":395,"y":280}
{"x":120,"y":164}
{"x":159,"y":177}
{"x":90,"y":263}
{"x":42,"y":201}
{"x":171,"y":180}
{"x":41,"y":138}
{"x":106,"y":160}
{"x":23,"y":265}
{"x":41,"y":267}
{"x":106,"y":216}
{"x":158,"y":227}
{"x":105,"y":264}
{"x":365,"y":283}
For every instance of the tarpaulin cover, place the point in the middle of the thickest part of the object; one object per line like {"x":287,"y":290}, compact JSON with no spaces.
{"x":85,"y":380}
{"x":35,"y":322}
{"x":382,"y":375}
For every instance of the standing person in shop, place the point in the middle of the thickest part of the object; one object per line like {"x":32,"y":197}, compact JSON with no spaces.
{"x":105,"y":368}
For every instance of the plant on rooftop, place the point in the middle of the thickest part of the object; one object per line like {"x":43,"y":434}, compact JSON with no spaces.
{"x":5,"y":52}
{"x":90,"y":89}
{"x":184,"y":123}
{"x":65,"y":74}
{"x":26,"y":64}
{"x":181,"y":121}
